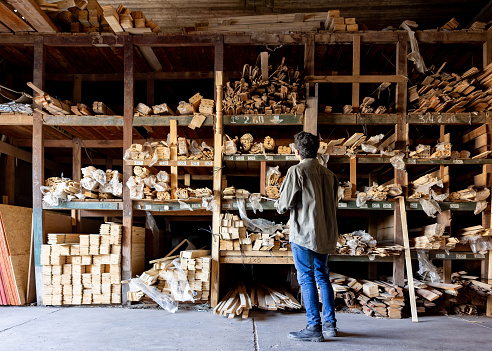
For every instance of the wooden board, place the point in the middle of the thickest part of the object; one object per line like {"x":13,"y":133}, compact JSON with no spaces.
{"x":138,"y":250}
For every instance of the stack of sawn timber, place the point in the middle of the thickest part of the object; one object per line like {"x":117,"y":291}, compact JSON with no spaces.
{"x":239,"y":300}
{"x":443,"y":92}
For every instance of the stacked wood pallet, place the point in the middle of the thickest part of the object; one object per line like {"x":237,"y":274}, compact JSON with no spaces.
{"x":241,"y":299}
{"x":360,"y":243}
{"x":235,"y":237}
{"x":374,"y":298}
{"x":180,"y":276}
{"x":85,"y":271}
{"x":443,"y":92}
{"x":263,"y":92}
{"x":431,"y":237}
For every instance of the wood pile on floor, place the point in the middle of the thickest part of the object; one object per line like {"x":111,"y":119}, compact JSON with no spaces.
{"x":263,"y":92}
{"x":235,"y":237}
{"x":360,"y":243}
{"x":88,"y":16}
{"x":467,"y":295}
{"x":431,"y":237}
{"x":182,"y":276}
{"x":85,"y":270}
{"x":374,"y":298}
{"x":443,"y":92}
{"x":241,"y":299}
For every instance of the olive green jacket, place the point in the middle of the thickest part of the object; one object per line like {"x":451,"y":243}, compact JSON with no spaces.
{"x":310,"y":191}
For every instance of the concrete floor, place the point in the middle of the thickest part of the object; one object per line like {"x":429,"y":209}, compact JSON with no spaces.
{"x":73,"y":328}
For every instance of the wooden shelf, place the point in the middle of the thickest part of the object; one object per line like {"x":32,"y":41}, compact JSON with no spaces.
{"x":149,"y":205}
{"x":342,"y":205}
{"x":15,"y":120}
{"x":117,"y":121}
{"x":187,"y":163}
{"x":86,"y":205}
{"x":447,"y":118}
{"x":414,"y":205}
{"x":368,"y":159}
{"x":262,"y":120}
{"x":259,"y":158}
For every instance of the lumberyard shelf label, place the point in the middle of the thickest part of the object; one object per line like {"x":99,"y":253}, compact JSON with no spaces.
{"x":413,"y":205}
{"x":181,"y":163}
{"x":477,"y":255}
{"x":342,"y":204}
{"x":196,"y":206}
{"x":439,"y":119}
{"x":455,"y":206}
{"x":227,"y":206}
{"x":251,"y":158}
{"x":209,"y":163}
{"x":239,"y":158}
{"x":228,"y":158}
{"x":387,"y":206}
{"x":195,"y":163}
{"x":461,"y":256}
{"x":163,"y":163}
{"x":138,"y":163}
{"x":374,"y":205}
{"x":439,"y":255}
{"x":458,"y":162}
{"x":291,"y":158}
{"x":269,"y":158}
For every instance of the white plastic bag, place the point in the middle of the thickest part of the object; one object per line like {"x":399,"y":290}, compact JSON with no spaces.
{"x":162,"y":299}
{"x":426,"y":268}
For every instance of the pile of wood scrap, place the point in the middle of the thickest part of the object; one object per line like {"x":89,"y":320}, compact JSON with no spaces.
{"x":85,"y":271}
{"x":443,"y":92}
{"x":431,"y":237}
{"x":378,"y":193}
{"x":241,"y":299}
{"x":263,"y":92}
{"x":375,"y":298}
{"x":451,"y":24}
{"x":360,"y":243}
{"x":184,"y":277}
{"x":235,"y":237}
{"x":299,"y":22}
{"x":99,"y":184}
{"x":231,"y":193}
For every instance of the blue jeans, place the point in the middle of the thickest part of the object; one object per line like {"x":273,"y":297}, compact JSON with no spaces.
{"x":311,"y":269}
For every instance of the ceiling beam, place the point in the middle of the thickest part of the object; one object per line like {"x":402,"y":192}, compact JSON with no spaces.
{"x":149,"y":56}
{"x":12,"y":20}
{"x":30,"y":10}
{"x":23,"y":155}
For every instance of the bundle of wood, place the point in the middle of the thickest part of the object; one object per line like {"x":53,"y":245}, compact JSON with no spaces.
{"x":100,"y":108}
{"x":124,"y":20}
{"x":49,"y":103}
{"x":335,"y":23}
{"x":478,"y":141}
{"x":15,"y":108}
{"x":231,"y":193}
{"x":422,"y":186}
{"x":263,"y":92}
{"x":239,"y":300}
{"x":148,"y":186}
{"x":160,"y":150}
{"x":346,"y":190}
{"x":471,"y":282}
{"x":333,"y":147}
{"x":470,"y":194}
{"x":360,"y":243}
{"x":98,"y":184}
{"x":443,"y":92}
{"x":375,"y":298}
{"x":299,"y":22}
{"x":476,"y":230}
{"x":235,"y":237}
{"x":379,"y":192}
{"x":180,"y":276}
{"x":431,"y":237}
{"x":451,"y":24}
{"x":421,"y":151}
{"x":477,"y":25}
{"x":85,"y":270}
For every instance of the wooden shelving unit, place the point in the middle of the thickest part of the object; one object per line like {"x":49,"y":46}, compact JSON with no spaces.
{"x":311,"y":121}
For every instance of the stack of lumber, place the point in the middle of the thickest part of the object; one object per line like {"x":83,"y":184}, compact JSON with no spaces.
{"x":421,"y":151}
{"x":470,"y":194}
{"x":160,"y":150}
{"x":431,"y":237}
{"x":451,"y":24}
{"x":335,"y":23}
{"x":231,"y":193}
{"x":87,"y":16}
{"x":241,"y":299}
{"x":263,"y":92}
{"x":97,"y":184}
{"x":478,"y":141}
{"x":235,"y":237}
{"x":248,"y":145}
{"x":360,"y":243}
{"x":100,"y":108}
{"x":144,"y":185}
{"x":478,"y":26}
{"x":422,"y":186}
{"x":374,"y":298}
{"x":476,"y":230}
{"x":299,"y":22}
{"x":443,"y":92}
{"x":49,"y":103}
{"x":345,"y":189}
{"x":179,"y":276}
{"x":86,"y":270}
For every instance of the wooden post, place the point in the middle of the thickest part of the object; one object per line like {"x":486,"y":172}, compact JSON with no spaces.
{"x":401,"y":144}
{"x":173,"y":127}
{"x":38,"y":167}
{"x":77,"y":88}
{"x":263,"y":178}
{"x":446,"y":271}
{"x":356,"y":72}
{"x":311,"y":113}
{"x":215,"y":276}
{"x":218,"y":60}
{"x":10,"y":179}
{"x":129,"y":87}
{"x":76,"y":175}
{"x":353,"y":175}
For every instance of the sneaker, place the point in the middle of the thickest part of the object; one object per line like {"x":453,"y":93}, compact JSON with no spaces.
{"x":313,"y":334}
{"x":329,"y":329}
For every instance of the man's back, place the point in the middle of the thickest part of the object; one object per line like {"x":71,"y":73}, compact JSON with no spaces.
{"x":310,"y":192}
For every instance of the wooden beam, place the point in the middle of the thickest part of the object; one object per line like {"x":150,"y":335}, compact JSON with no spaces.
{"x":356,"y":72}
{"x":76,"y":176}
{"x":356,"y":79}
{"x":218,"y":60}
{"x":23,"y":155}
{"x":487,"y":52}
{"x":33,"y":14}
{"x":38,"y":169}
{"x":309,"y":55}
{"x":129,"y":88}
{"x":11,"y":20}
{"x":151,"y":58}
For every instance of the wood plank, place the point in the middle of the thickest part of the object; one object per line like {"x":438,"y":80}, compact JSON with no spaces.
{"x":356,"y":71}
{"x":129,"y":86}
{"x":11,"y":20}
{"x":151,"y":58}
{"x":33,"y":14}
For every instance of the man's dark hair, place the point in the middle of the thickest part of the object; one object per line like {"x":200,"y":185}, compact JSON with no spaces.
{"x":307,"y":144}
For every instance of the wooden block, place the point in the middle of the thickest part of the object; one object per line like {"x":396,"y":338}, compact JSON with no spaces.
{"x":352,"y":28}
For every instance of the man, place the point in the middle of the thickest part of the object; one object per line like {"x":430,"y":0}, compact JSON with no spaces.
{"x":310,"y":192}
